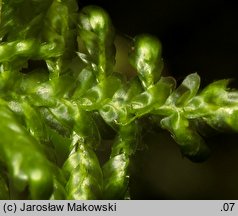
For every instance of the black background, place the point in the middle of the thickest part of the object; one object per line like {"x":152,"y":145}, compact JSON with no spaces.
{"x":197,"y":36}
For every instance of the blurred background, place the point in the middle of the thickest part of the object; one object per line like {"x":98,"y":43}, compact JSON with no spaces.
{"x":197,"y":36}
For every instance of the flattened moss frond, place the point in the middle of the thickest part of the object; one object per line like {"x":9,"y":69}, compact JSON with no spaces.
{"x":60,"y":97}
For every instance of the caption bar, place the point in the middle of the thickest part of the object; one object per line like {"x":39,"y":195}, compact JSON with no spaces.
{"x":123,"y":207}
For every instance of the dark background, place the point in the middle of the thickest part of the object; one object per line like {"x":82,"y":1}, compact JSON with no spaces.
{"x":197,"y":36}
